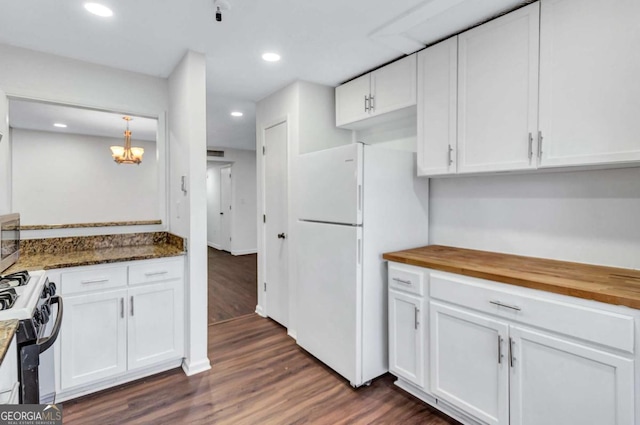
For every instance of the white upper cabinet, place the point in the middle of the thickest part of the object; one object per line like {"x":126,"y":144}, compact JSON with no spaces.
{"x":589,"y":91}
{"x":352,"y":100}
{"x":498,"y":93}
{"x":437,"y":108}
{"x":388,"y":89}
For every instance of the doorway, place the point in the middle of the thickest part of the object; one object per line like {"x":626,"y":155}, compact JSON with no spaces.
{"x":231,"y":235}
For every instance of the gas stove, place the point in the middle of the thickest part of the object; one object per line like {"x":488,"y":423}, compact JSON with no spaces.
{"x":22,"y":292}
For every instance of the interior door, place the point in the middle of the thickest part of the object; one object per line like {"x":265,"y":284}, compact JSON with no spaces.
{"x":498,"y":93}
{"x":329,"y":295}
{"x":225,"y":208}
{"x":330,"y":185}
{"x":275,"y":226}
{"x":469,"y":365}
{"x":594,"y":387}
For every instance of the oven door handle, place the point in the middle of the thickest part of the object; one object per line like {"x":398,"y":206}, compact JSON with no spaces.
{"x":47,"y":342}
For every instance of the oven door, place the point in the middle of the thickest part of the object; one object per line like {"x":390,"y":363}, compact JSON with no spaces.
{"x":30,"y":354}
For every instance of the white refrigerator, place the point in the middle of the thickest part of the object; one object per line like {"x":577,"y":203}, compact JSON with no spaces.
{"x":355,"y":202}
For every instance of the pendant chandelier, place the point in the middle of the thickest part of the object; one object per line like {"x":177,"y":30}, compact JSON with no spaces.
{"x":126,"y":154}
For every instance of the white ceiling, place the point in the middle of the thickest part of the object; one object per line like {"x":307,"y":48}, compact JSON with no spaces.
{"x":41,"y":116}
{"x":327,"y":42}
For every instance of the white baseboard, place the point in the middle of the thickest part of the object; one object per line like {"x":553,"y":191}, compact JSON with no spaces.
{"x":194,"y":368}
{"x":243,"y":251}
{"x":214,"y":245}
{"x":260,"y":311}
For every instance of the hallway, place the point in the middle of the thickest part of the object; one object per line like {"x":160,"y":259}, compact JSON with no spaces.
{"x":232,"y":285}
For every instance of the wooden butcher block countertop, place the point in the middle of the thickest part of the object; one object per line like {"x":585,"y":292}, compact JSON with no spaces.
{"x":605,"y":284}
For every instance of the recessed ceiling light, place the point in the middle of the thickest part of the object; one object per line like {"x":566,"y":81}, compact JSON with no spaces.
{"x":98,"y":9}
{"x":236,"y":114}
{"x":60,"y":125}
{"x":271,"y":57}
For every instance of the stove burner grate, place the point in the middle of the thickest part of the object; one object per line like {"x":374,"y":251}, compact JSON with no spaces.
{"x":8,"y":297}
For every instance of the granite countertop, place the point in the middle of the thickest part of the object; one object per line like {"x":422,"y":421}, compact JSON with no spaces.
{"x":57,"y":260}
{"x":7,"y":330}
{"x":605,"y":284}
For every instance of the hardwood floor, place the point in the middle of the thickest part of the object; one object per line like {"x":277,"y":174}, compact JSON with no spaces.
{"x":258,"y":376}
{"x":232,"y":285}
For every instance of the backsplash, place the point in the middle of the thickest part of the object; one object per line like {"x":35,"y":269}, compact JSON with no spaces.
{"x":84,"y":243}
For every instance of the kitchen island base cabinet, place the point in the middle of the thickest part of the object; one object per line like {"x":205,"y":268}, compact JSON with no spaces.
{"x":121,"y":323}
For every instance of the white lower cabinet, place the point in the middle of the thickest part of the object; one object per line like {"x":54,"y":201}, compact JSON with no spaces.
{"x":119,"y":322}
{"x":557,"y":381}
{"x":406,"y":349}
{"x":155,"y":324}
{"x":468,"y":367}
{"x":93,"y":338}
{"x":9,"y":385}
{"x":501,"y":354}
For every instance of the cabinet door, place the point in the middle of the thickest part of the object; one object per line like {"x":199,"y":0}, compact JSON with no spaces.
{"x":437,"y":103}
{"x":352,"y":101}
{"x":393,"y":86}
{"x":93,"y":341}
{"x":156,"y":323}
{"x":554,"y":381}
{"x":589,"y":89}
{"x":498,"y":93}
{"x":469,"y":367}
{"x":406,"y":337}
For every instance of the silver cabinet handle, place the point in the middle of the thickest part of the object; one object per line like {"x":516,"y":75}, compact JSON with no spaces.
{"x":499,"y":349}
{"x":156,"y":273}
{"x":131,"y":299}
{"x":406,"y":282}
{"x":540,"y":144}
{"x":122,"y":308}
{"x":511,"y":358}
{"x":416,"y":310}
{"x":372,"y":103}
{"x":100,"y":280}
{"x":499,"y":304}
{"x":366,"y":103}
{"x":530,"y":152}
{"x":450,"y":156}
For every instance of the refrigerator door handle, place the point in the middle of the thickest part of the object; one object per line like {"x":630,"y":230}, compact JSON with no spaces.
{"x":359,"y":197}
{"x":359,"y":251}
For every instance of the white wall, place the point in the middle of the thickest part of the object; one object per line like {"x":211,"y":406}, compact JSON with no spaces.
{"x":5,"y":157}
{"x":188,"y":150}
{"x":28,"y":74}
{"x":69,"y":178}
{"x":309,"y":110}
{"x":581,"y":216}
{"x":213,"y":204}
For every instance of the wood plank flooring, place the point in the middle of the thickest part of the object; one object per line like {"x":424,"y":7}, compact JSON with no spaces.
{"x":232,"y":281}
{"x":258,"y":376}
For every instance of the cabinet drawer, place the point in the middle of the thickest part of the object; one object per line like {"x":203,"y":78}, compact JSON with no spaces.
{"x":156,"y":271}
{"x":407,"y":278}
{"x":552,"y":312}
{"x":93,"y":279}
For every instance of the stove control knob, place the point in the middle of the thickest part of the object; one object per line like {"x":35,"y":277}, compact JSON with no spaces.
{"x":45,"y":313}
{"x":37,"y":317}
{"x":45,"y":292}
{"x":52,"y":289}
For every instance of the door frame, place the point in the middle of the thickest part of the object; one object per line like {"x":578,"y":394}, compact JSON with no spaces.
{"x":231,"y":214}
{"x":263,"y":306}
